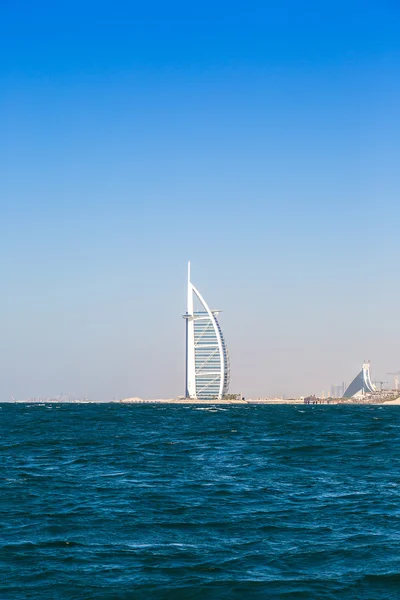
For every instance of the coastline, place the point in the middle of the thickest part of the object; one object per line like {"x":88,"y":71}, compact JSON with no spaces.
{"x":269,"y":401}
{"x":390,"y":401}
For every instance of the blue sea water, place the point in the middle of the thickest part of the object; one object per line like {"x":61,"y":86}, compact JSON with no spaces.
{"x":121,"y":502}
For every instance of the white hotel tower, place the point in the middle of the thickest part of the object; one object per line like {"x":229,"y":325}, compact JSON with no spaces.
{"x":361,"y":384}
{"x":207,"y":361}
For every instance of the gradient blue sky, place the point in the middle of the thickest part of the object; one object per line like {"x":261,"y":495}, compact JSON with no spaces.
{"x":260,"y":140}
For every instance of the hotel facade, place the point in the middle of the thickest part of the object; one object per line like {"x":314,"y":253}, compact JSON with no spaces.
{"x":361,"y":384}
{"x":207,"y":360}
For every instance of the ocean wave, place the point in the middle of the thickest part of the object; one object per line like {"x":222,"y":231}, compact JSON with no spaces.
{"x":108,"y":503}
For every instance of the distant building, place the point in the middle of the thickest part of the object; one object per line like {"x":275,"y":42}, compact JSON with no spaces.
{"x":337,"y":391}
{"x":207,"y":361}
{"x":361,"y":384}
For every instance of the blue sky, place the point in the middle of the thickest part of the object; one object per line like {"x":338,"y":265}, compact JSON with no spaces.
{"x":261,"y":141}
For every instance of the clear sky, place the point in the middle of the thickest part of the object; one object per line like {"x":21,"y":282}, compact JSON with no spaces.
{"x":260,"y":140}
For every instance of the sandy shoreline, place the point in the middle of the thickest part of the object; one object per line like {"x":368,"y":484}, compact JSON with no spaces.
{"x":249,"y":402}
{"x":393,"y":402}
{"x":256,"y":401}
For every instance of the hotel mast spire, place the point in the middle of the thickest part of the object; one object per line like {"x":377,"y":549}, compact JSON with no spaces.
{"x":189,"y":294}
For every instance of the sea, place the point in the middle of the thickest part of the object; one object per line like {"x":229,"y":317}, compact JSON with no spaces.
{"x":189,"y":502}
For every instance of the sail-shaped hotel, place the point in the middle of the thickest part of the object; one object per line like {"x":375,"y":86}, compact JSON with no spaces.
{"x":361,"y":384}
{"x":207,"y":360}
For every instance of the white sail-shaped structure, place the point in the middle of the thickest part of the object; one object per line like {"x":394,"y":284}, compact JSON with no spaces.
{"x":361,"y":384}
{"x":207,"y":361}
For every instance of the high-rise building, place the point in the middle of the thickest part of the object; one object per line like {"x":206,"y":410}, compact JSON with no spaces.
{"x":207,"y":360}
{"x":337,"y":391}
{"x":361,"y":384}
